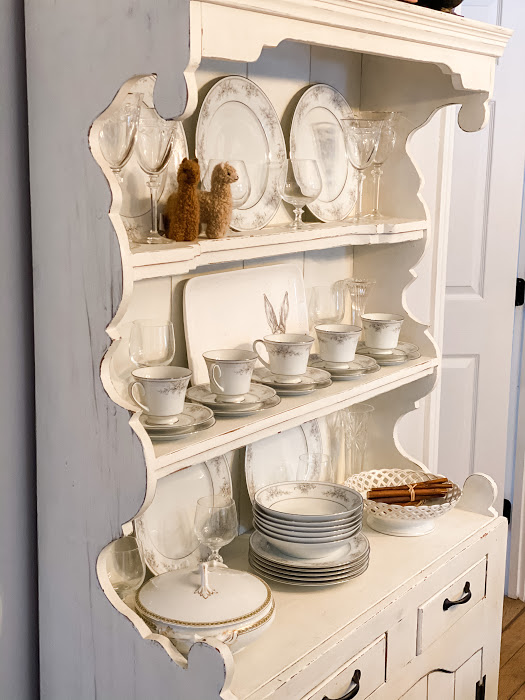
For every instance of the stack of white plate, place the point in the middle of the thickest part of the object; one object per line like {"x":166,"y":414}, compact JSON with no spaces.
{"x":308,"y":527}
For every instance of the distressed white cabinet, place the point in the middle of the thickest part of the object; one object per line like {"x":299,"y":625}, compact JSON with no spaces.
{"x":95,"y":476}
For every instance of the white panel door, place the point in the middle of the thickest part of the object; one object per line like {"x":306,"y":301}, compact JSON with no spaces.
{"x":485,"y":210}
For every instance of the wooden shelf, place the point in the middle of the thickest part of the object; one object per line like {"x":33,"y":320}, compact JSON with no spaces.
{"x":180,"y":258}
{"x":230,"y":433}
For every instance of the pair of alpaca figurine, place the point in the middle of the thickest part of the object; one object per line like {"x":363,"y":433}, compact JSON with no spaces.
{"x":188,"y":207}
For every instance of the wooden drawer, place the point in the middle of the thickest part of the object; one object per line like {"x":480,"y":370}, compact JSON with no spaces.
{"x":370,"y":662}
{"x":436,"y":615}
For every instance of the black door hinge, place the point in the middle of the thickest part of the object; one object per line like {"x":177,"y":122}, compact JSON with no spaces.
{"x":520,"y":292}
{"x":480,"y":689}
{"x":507,"y":509}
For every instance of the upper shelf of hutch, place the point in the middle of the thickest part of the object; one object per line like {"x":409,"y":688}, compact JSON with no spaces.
{"x":180,"y":258}
{"x":230,"y":433}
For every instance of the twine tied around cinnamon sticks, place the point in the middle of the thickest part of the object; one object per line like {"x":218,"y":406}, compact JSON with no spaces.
{"x":411,"y":494}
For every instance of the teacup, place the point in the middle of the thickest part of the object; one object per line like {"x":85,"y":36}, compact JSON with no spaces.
{"x":337,"y":343}
{"x":381,"y":331}
{"x":160,"y":392}
{"x":230,"y":373}
{"x":288,"y":355}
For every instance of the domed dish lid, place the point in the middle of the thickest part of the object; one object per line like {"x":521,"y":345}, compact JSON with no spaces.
{"x":216,"y":597}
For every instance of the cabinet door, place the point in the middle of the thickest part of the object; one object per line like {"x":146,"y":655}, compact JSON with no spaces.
{"x":417,"y":691}
{"x":460,"y":685}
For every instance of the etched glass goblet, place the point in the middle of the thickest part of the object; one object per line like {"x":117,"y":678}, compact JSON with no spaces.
{"x":118,"y":134}
{"x":240,"y":189}
{"x":356,"y":422}
{"x":326,"y":304}
{"x":387,"y":142}
{"x":358,"y":290}
{"x":215,"y":524}
{"x":154,"y":147}
{"x":362,"y":139}
{"x":299,"y":184}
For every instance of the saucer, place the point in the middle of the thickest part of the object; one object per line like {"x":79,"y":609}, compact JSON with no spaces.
{"x":192,"y":416}
{"x":359,"y":366}
{"x":311,"y":380}
{"x":402,"y":353}
{"x":224,"y":411}
{"x":171,"y":434}
{"x":254,"y":399}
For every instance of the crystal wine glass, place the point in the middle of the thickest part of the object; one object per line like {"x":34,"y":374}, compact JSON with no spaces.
{"x":154,"y":147}
{"x":387,"y":142}
{"x":240,"y":189}
{"x":151,"y":342}
{"x":299,"y":184}
{"x":215,"y":524}
{"x":118,"y":134}
{"x":358,"y":289}
{"x":126,"y":570}
{"x":362,"y":140}
{"x":326,"y":304}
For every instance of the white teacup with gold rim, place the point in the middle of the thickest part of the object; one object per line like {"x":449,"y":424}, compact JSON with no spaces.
{"x":287,"y":354}
{"x":160,"y":392}
{"x":337,"y":343}
{"x":381,"y":331}
{"x":230,"y":373}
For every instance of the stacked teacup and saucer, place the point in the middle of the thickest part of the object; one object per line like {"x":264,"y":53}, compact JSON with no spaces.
{"x":337,"y":352}
{"x":381,"y":340}
{"x":286,"y":370}
{"x":230,"y":391}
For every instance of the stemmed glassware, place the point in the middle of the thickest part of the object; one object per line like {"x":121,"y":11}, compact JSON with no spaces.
{"x":118,"y":134}
{"x":151,"y":342}
{"x":126,"y":568}
{"x":358,"y":290}
{"x":326,"y":304}
{"x":387,"y":142}
{"x":241,"y":189}
{"x":154,"y":147}
{"x":299,"y":184}
{"x":362,"y":139}
{"x":215,"y":524}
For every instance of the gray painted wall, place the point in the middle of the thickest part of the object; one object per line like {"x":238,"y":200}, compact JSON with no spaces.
{"x":18,"y":585}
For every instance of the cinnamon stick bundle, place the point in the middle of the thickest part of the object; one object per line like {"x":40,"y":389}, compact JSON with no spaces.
{"x":411,"y":494}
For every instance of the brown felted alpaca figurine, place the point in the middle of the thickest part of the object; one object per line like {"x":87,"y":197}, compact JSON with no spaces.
{"x":182,"y":207}
{"x":217,"y":205}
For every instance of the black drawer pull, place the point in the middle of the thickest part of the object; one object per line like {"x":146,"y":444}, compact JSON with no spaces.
{"x":467,"y":595}
{"x":353,"y":691}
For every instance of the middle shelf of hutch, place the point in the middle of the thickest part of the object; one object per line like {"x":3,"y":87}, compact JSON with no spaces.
{"x":231,"y":433}
{"x":180,"y":258}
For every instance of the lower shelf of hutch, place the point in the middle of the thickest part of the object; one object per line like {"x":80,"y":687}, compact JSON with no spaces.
{"x":318,"y":631}
{"x":232,"y":433}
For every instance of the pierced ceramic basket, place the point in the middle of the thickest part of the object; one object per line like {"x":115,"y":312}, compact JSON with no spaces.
{"x":403,"y":521}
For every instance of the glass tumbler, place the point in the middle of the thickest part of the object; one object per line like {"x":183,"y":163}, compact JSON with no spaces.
{"x":358,"y":290}
{"x":356,"y":420}
{"x":127,"y":570}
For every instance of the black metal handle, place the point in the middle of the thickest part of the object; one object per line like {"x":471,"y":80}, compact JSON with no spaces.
{"x":467,"y":595}
{"x":353,"y":690}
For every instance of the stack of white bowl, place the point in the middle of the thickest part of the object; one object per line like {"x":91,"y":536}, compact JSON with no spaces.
{"x":308,"y":530}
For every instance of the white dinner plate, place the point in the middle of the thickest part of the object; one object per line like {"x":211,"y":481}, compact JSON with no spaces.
{"x":317,"y":133}
{"x":304,"y":571}
{"x":304,"y":582}
{"x":238,"y":122}
{"x":276,"y":458}
{"x":165,"y":530}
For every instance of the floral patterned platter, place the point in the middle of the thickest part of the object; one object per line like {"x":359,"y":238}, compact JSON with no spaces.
{"x":238,"y":122}
{"x":165,"y":529}
{"x":276,"y":458}
{"x":317,"y":133}
{"x":308,"y":501}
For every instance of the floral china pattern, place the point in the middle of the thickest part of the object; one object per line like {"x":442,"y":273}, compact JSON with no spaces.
{"x":268,"y":496}
{"x":326,"y":97}
{"x":238,"y":89}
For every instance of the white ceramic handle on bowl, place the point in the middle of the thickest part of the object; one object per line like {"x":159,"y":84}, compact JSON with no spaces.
{"x":214,"y":376}
{"x":133,"y":393}
{"x":255,"y":351}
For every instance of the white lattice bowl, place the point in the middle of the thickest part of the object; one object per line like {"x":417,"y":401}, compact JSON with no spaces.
{"x":403,"y":521}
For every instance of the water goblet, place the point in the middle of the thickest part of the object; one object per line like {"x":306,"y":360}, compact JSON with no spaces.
{"x":299,"y":184}
{"x":215,"y":524}
{"x":126,"y":568}
{"x":154,"y":147}
{"x":151,"y":342}
{"x":362,"y":139}
{"x":326,"y":304}
{"x":240,"y":189}
{"x":358,"y":290}
{"x":118,"y":134}
{"x":387,"y":142}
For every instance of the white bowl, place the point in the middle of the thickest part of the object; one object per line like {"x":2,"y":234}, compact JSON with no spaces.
{"x":300,"y":550}
{"x":292,"y":534}
{"x":308,"y":501}
{"x":305,"y":526}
